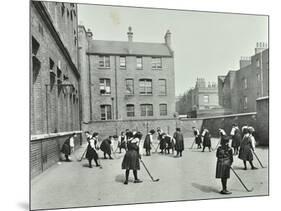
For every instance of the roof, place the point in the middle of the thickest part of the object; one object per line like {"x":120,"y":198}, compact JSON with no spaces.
{"x":129,"y":48}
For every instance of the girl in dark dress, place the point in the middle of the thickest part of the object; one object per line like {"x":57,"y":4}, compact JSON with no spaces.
{"x":224,"y":161}
{"x":106,"y":147}
{"x":206,"y":139}
{"x":132,"y":156}
{"x":66,"y":149}
{"x":169,"y":143}
{"x":161,"y":140}
{"x":198,"y":139}
{"x":179,"y":145}
{"x":236,"y":138}
{"x":246,"y":147}
{"x":91,"y":150}
{"x":148,"y":142}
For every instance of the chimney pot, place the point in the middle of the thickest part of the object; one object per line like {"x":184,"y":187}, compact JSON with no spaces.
{"x":130,"y":34}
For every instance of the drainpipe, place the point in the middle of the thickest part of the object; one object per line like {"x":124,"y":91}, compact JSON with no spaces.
{"x":116,"y":98}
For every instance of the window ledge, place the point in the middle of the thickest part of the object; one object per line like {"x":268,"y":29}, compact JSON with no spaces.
{"x":146,"y":94}
{"x":157,"y":68}
{"x":104,"y":68}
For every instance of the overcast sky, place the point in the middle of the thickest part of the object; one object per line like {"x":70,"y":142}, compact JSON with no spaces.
{"x":205,"y":44}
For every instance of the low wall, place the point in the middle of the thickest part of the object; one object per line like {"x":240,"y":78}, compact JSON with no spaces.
{"x":45,"y":150}
{"x":106,"y":128}
{"x":226,"y":121}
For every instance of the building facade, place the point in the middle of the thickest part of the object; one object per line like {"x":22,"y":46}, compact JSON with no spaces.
{"x":200,"y":101}
{"x":238,"y":90}
{"x":54,"y":83}
{"x":126,"y":80}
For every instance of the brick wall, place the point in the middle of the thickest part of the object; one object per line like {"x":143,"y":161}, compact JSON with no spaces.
{"x":51,"y":111}
{"x":263,"y":120}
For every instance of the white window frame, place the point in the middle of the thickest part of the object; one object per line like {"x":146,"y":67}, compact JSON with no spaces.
{"x":105,"y":86}
{"x":156,"y":63}
{"x":107,"y":115}
{"x":161,"y":86}
{"x":130,"y":113}
{"x":146,"y":110}
{"x":126,"y":84}
{"x":122,"y":64}
{"x":161,"y":110}
{"x":145,"y":84}
{"x":139,"y":65}
{"x":104,"y":61}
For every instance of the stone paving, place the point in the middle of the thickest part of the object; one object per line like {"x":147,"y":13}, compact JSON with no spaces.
{"x":191,"y":177}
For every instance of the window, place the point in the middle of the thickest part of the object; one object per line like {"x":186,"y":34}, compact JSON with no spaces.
{"x":163,"y":109}
{"x":104,"y":61}
{"x":139,"y":63}
{"x":162,"y":87}
{"x":145,"y":86}
{"x":129,"y":86}
{"x":105,"y":86}
{"x":105,"y":112}
{"x":122,"y":61}
{"x":41,"y":29}
{"x":206,"y":99}
{"x":258,"y":63}
{"x":62,"y":9}
{"x":245,"y":83}
{"x":130,"y":110}
{"x":245,"y":102}
{"x":146,"y":110}
{"x":156,"y":63}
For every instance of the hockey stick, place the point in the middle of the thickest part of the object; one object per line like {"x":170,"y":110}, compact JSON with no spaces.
{"x":248,"y":190}
{"x":83,"y":155}
{"x":257,"y":158}
{"x":192,"y":145}
{"x":154,"y":180}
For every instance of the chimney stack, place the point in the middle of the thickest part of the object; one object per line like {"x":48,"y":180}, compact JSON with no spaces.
{"x":130,"y":34}
{"x":245,"y":61}
{"x":89,"y":34}
{"x":260,"y":47}
{"x":168,"y":38}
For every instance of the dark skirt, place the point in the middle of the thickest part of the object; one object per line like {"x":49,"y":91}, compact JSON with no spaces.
{"x":131,"y":160}
{"x":105,"y":147}
{"x":223,"y":168}
{"x":66,"y":149}
{"x":91,"y":153}
{"x":236,"y":141}
{"x":198,"y":140}
{"x":179,"y":146}
{"x":206,"y":142}
{"x":162,"y":144}
{"x":147,"y":144}
{"x":122,"y":145}
{"x":245,"y":153}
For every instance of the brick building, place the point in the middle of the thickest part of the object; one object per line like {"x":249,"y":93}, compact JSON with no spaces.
{"x":126,"y":80}
{"x":201,"y":100}
{"x":239,"y":89}
{"x":54,"y":80}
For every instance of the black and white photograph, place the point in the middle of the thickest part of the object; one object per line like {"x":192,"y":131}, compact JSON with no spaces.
{"x":137,"y":105}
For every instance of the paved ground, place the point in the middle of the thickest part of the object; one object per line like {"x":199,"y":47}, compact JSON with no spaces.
{"x":73,"y":184}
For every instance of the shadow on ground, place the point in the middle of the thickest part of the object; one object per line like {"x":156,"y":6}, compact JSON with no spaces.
{"x":205,"y":188}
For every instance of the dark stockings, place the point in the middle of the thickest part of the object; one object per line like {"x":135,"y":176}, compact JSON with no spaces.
{"x":224,"y":183}
{"x":134,"y":172}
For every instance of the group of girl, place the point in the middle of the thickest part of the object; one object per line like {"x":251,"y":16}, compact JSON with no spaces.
{"x":245,"y":144}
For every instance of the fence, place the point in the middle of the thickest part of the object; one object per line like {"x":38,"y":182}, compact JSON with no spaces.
{"x":45,"y":150}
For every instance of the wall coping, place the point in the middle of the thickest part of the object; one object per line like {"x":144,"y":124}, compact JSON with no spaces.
{"x":230,"y":115}
{"x":127,"y":120}
{"x":262,"y":98}
{"x":52,"y":135}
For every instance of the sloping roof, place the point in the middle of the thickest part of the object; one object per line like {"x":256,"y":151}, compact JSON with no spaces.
{"x":129,"y":48}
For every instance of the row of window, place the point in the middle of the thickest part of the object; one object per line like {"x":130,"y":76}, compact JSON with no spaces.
{"x":104,"y":62}
{"x":145,"y":86}
{"x":146,"y":110}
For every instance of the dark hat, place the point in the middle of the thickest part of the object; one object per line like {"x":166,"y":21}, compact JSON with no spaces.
{"x":152,"y":131}
{"x":225,"y":140}
{"x":115,"y":136}
{"x":95,"y":134}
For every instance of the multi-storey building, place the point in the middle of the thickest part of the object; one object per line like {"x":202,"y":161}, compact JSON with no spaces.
{"x":54,"y":80}
{"x":126,"y":80}
{"x":201,"y":100}
{"x":240,"y":89}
